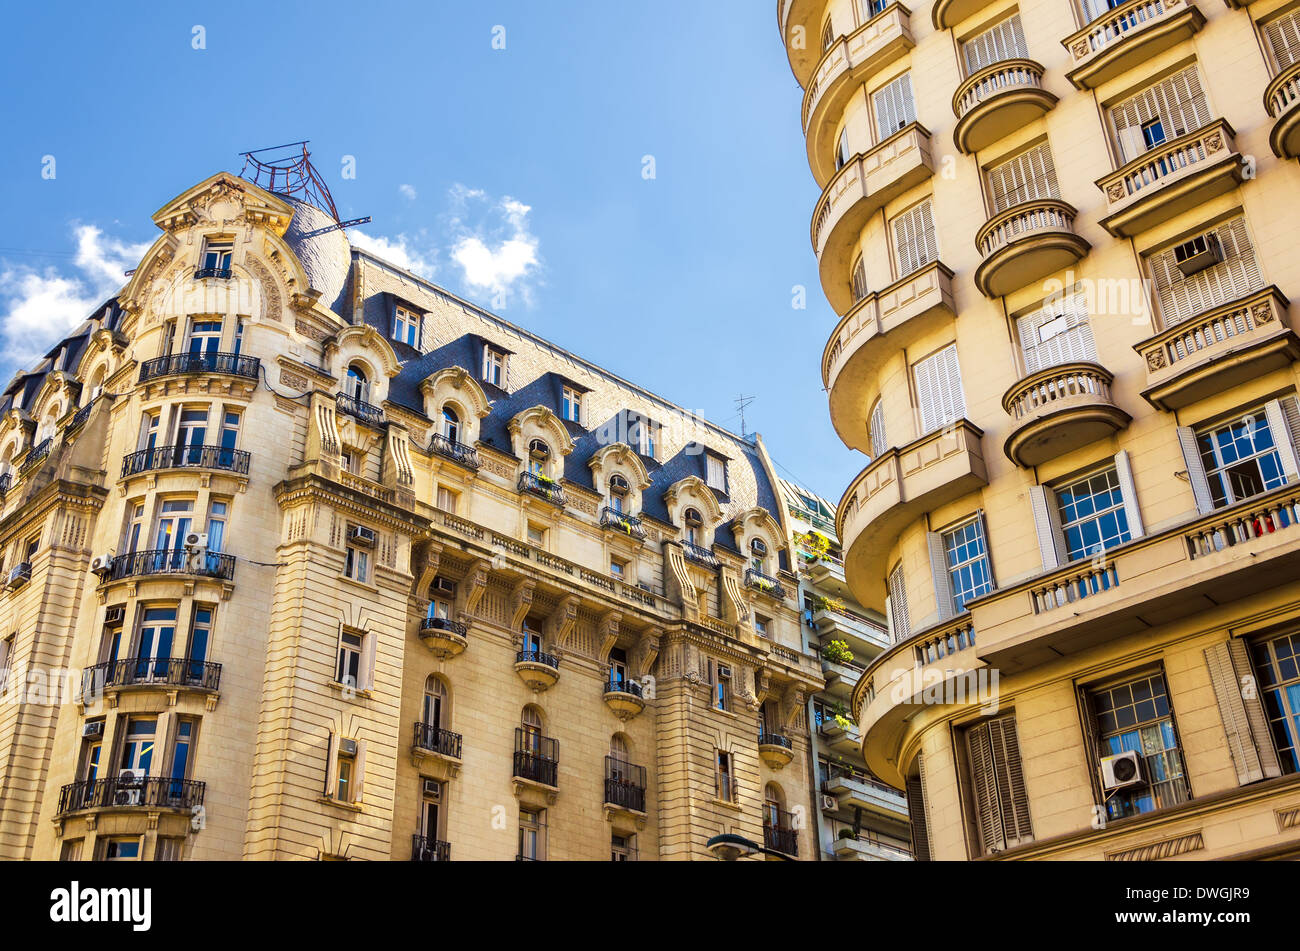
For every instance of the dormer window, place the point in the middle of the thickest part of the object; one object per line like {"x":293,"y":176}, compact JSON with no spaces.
{"x":642,"y":434}
{"x":538,"y":455}
{"x":618,"y":492}
{"x":758,"y":549}
{"x":450,"y":424}
{"x":215,"y":259}
{"x":406,"y":327}
{"x":494,"y":366}
{"x":715,"y":472}
{"x":358,"y":384}
{"x":571,"y":405}
{"x":694,"y":523}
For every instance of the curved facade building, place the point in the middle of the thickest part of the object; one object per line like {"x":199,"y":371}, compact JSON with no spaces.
{"x":1055,"y":233}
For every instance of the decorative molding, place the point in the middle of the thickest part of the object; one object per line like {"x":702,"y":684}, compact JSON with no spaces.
{"x":1163,"y":849}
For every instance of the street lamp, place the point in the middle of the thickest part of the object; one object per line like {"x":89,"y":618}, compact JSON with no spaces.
{"x":729,"y":847}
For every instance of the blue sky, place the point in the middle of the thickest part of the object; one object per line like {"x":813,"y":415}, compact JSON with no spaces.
{"x":511,"y":175}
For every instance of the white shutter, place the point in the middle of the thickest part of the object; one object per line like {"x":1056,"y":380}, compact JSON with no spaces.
{"x":879,"y":442}
{"x":1028,"y":176}
{"x":894,"y":106}
{"x":1234,"y":277}
{"x":898,"y":613}
{"x":1195,"y":469}
{"x":1058,"y":333}
{"x":1001,"y":41}
{"x":331,"y":765}
{"x":1283,"y":38}
{"x":939,"y":570}
{"x":359,"y":773}
{"x":1277,"y":425}
{"x":938,"y":390}
{"x":915,"y":244}
{"x":859,"y":280}
{"x":1178,"y":101}
{"x":367,"y":678}
{"x":1047,"y":525}
{"x":1128,"y":492}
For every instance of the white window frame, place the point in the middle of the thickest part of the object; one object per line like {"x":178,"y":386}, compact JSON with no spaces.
{"x":406,"y":327}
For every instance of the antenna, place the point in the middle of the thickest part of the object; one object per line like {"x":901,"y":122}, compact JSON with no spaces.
{"x":742,"y":403}
{"x":287,"y":170}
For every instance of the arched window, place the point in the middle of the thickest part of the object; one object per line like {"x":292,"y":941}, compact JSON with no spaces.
{"x":358,"y":384}
{"x":7,"y":463}
{"x":618,"y":491}
{"x":618,"y":748}
{"x":694,"y":522}
{"x":435,"y":706}
{"x":538,"y":455}
{"x":772,"y":802}
{"x":618,"y":768}
{"x":450,"y":424}
{"x":758,"y":549}
{"x":531,"y":724}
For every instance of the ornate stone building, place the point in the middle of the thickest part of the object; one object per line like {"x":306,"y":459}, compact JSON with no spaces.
{"x":305,"y":557}
{"x":1059,"y":236}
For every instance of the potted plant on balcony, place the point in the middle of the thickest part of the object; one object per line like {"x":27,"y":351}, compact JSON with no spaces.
{"x":841,"y":716}
{"x":823,"y":603}
{"x":837,"y":652}
{"x":814,"y":544}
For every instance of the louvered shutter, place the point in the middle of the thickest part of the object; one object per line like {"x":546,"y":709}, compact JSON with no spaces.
{"x":1001,"y":41}
{"x":1029,"y":176}
{"x":1283,"y":38}
{"x":1235,"y":276}
{"x":1260,"y":728}
{"x":915,"y":245}
{"x":1291,"y":411}
{"x":859,"y":280}
{"x":1091,"y":745}
{"x":1072,"y":344}
{"x":1178,"y":101}
{"x":1128,"y":492}
{"x":916,"y":814}
{"x":358,"y":788}
{"x":894,"y":106}
{"x":939,"y":570}
{"x":331,"y":763}
{"x":1047,"y":525}
{"x":938,"y":390}
{"x":1281,"y":432}
{"x":1232,"y":710}
{"x":1012,"y":797}
{"x":367,"y":678}
{"x":1195,"y":470}
{"x":898,"y":612}
{"x":879,"y":442}
{"x":988,"y":815}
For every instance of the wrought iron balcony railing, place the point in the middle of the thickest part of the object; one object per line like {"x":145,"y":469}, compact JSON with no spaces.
{"x":775,"y":739}
{"x":537,"y":657}
{"x":542,"y":487}
{"x":171,"y":561}
{"x":368,"y":413}
{"x":222,"y":273}
{"x":35,"y":456}
{"x":176,"y":364}
{"x":780,"y":837}
{"x":623,"y":685}
{"x":458,"y":452}
{"x":701,"y":556}
{"x":131,"y":792}
{"x":760,"y":582}
{"x":624,"y":784}
{"x":79,"y":419}
{"x":145,"y":671}
{"x":629,"y":525}
{"x":537,"y":757}
{"x":427,"y":849}
{"x":444,"y":624}
{"x":186,"y":457}
{"x":436,"y":740}
{"x":6,"y":481}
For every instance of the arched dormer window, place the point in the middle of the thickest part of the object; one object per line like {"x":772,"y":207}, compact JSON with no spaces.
{"x":450,"y":424}
{"x":539,"y":455}
{"x":619,"y":490}
{"x":358,"y":384}
{"x":694,"y":523}
{"x":758,"y":553}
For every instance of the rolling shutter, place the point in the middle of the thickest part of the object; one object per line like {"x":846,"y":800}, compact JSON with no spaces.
{"x":1057,"y":334}
{"x":1001,"y":41}
{"x":914,"y":239}
{"x":1047,"y":525}
{"x":1244,"y":722}
{"x":894,"y":106}
{"x":1281,"y":432}
{"x":1283,"y":38}
{"x":1128,"y":492}
{"x":1195,"y":470}
{"x":898,"y":613}
{"x":1028,"y":176}
{"x":1235,"y":276}
{"x":916,"y":814}
{"x":938,"y":390}
{"x":1177,"y":101}
{"x":939,"y":570}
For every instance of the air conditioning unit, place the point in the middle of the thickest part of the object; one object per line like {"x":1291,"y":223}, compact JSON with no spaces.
{"x":362,"y":535}
{"x":830,"y":803}
{"x":433,"y":789}
{"x":348,"y":747}
{"x":101,"y":564}
{"x":446,"y":586}
{"x":19,"y":575}
{"x":128,"y":788}
{"x":114,"y":614}
{"x":1196,"y":255}
{"x":93,"y":728}
{"x":196,"y":540}
{"x":1123,"y":769}
{"x":724,"y":670}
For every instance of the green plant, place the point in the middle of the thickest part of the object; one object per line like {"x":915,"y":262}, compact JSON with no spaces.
{"x":837,"y":652}
{"x":841,"y":715}
{"x":846,"y":834}
{"x":824,"y":603}
{"x":814,"y":543}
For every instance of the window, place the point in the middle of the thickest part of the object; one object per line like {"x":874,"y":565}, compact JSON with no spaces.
{"x":1029,"y":176}
{"x":218,"y":513}
{"x":871,"y":8}
{"x":154,"y":650}
{"x":1170,"y":108}
{"x":494,"y":366}
{"x":531,"y":643}
{"x":859,"y":282}
{"x":122,"y":849}
{"x":351,"y":650}
{"x":450,"y":424}
{"x":842,"y":153}
{"x":938,"y":390}
{"x":350,"y":460}
{"x":137,"y":749}
{"x":642,"y":434}
{"x":229,"y":437}
{"x":536,"y":535}
{"x":999,"y":42}
{"x":619,"y":489}
{"x":724,"y":779}
{"x":1282,"y":37}
{"x":1092,"y":514}
{"x":216,"y":255}
{"x":182,"y":745}
{"x":1135,"y":716}
{"x":345,"y":771}
{"x":914,"y":239}
{"x":762,"y":626}
{"x":721,"y":688}
{"x":758,"y":555}
{"x":1235,"y":275}
{"x":358,"y":386}
{"x":622,"y":848}
{"x":899,"y":621}
{"x":6,"y":660}
{"x":1001,"y":805}
{"x":1241,"y":458}
{"x":828,"y":34}
{"x":406,"y":327}
{"x":205,"y":337}
{"x":447,"y":499}
{"x":694,"y":522}
{"x":70,"y":851}
{"x":239,"y":335}
{"x":1277,"y":662}
{"x":966,"y":561}
{"x":149,"y":431}
{"x":33,"y":546}
{"x":168,"y":849}
{"x":879,"y":442}
{"x":893,"y":106}
{"x":571,"y":405}
{"x":716,"y":472}
{"x":435,"y":704}
{"x":538,"y":455}
{"x":532,"y":835}
{"x":618,"y":568}
{"x":200,"y":636}
{"x":1059,"y":332}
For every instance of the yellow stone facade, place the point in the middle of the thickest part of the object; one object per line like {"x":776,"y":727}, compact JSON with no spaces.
{"x":1056,"y":234}
{"x":331,"y":564}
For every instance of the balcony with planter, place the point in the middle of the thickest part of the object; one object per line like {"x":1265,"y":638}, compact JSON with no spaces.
{"x":542,"y":487}
{"x":896,"y":489}
{"x":624,"y":697}
{"x":1282,"y":102}
{"x":172,"y":676}
{"x":1059,"y":409}
{"x":537,"y":669}
{"x":858,"y":191}
{"x":839,"y":737}
{"x":1025,"y":244}
{"x":457,"y":452}
{"x":1126,"y":36}
{"x":432,"y":743}
{"x":1218,"y":350}
{"x":128,"y":793}
{"x":360,"y":410}
{"x":195,"y":364}
{"x":445,"y":637}
{"x":1175,"y":176}
{"x":622,"y":524}
{"x":996,"y":101}
{"x":755,"y":580}
{"x":825,"y":569}
{"x":214,"y":458}
{"x":776,"y":750}
{"x":427,"y":849}
{"x":872,"y":47}
{"x":878,"y":327}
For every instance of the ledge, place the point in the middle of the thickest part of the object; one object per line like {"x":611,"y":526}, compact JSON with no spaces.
{"x":998,"y":99}
{"x":1060,"y":409}
{"x":1126,"y":36}
{"x":1026,"y":243}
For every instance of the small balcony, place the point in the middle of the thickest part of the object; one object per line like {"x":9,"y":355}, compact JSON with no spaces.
{"x":781,"y":837}
{"x":776,"y":750}
{"x":872,"y":47}
{"x":628,"y":525}
{"x":858,"y":191}
{"x":841,"y":738}
{"x":625,"y":697}
{"x":457,"y":452}
{"x":216,"y":458}
{"x":79,"y":418}
{"x":360,"y":410}
{"x":191,"y":364}
{"x":6,"y":482}
{"x":839,"y":675}
{"x":432,"y":740}
{"x":1058,"y":410}
{"x":427,"y":849}
{"x":445,"y":637}
{"x":35,"y":457}
{"x":868,"y":848}
{"x":863,"y":635}
{"x":898,"y":488}
{"x":945,"y":14}
{"x":1219,"y":350}
{"x":530,"y":483}
{"x":857,"y":791}
{"x":129,"y":792}
{"x":699,"y":555}
{"x":170,"y":561}
{"x":825,"y":569}
{"x":1025,"y":244}
{"x":536,"y":763}
{"x":217,"y":273}
{"x":879,"y":326}
{"x":169,"y":674}
{"x":757,"y":581}
{"x":997,"y":100}
{"x":19,"y":575}
{"x":537,"y":669}
{"x":1282,"y":101}
{"x":1174,"y":177}
{"x":1126,"y":36}
{"x":624,"y":788}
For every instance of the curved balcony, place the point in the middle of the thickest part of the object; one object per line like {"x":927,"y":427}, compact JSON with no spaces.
{"x":127,"y":792}
{"x":858,"y":191}
{"x":882,"y":40}
{"x":997,"y":100}
{"x":766,"y":584}
{"x":457,"y":452}
{"x":1026,"y":243}
{"x":945,"y":14}
{"x":368,"y":413}
{"x":622,"y":523}
{"x":1282,"y":101}
{"x":169,"y":561}
{"x":878,"y":327}
{"x":776,"y":750}
{"x":185,"y":364}
{"x":217,"y":458}
{"x":544,"y":488}
{"x":1058,"y":410}
{"x":804,"y":16}
{"x":1218,"y":350}
{"x":624,"y":697}
{"x":1171,"y":178}
{"x":537,"y":669}
{"x":898,"y":488}
{"x":1126,"y":36}
{"x":445,"y":637}
{"x":169,"y":674}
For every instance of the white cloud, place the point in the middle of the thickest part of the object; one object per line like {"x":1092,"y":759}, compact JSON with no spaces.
{"x":407,"y":192}
{"x":499,"y":255}
{"x":400,"y":251}
{"x":39,"y":306}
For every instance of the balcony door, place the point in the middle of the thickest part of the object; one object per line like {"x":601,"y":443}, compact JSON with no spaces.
{"x":180,"y":768}
{"x":174,"y":522}
{"x":191,"y":434}
{"x":1057,"y":333}
{"x":137,"y":750}
{"x":1165,"y":110}
{"x":430,"y":809}
{"x":617,"y":667}
{"x":198,"y":651}
{"x":435,"y":697}
{"x":205,"y":338}
{"x":157,"y":631}
{"x":532,"y":731}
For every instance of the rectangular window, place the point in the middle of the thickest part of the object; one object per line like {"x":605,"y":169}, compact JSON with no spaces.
{"x":1092,"y":514}
{"x":168,"y":849}
{"x":351,"y":651}
{"x":722,"y":690}
{"x":762,"y":625}
{"x":622,"y":848}
{"x":571,"y":405}
{"x":967,"y":562}
{"x":149,"y":431}
{"x":1005,"y":40}
{"x":716,"y":472}
{"x":137,"y":750}
{"x":1277,"y":662}
{"x":618,"y":568}
{"x":406,"y":327}
{"x":724,"y":778}
{"x":860,"y":288}
{"x":938,"y":390}
{"x":1165,"y":110}
{"x":915,"y":245}
{"x":494,"y":366}
{"x":536,"y":536}
{"x":216,"y":255}
{"x":997,"y":784}
{"x":1135,"y":716}
{"x":894,"y":106}
{"x":6,"y":660}
{"x":1029,"y":176}
{"x":532,"y":835}
{"x":828,"y":34}
{"x":1233,"y":276}
{"x":122,"y":849}
{"x":205,"y":337}
{"x":446,"y":500}
{"x":356,"y":563}
{"x":1282,"y":37}
{"x":1241,"y":458}
{"x":346,"y":769}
